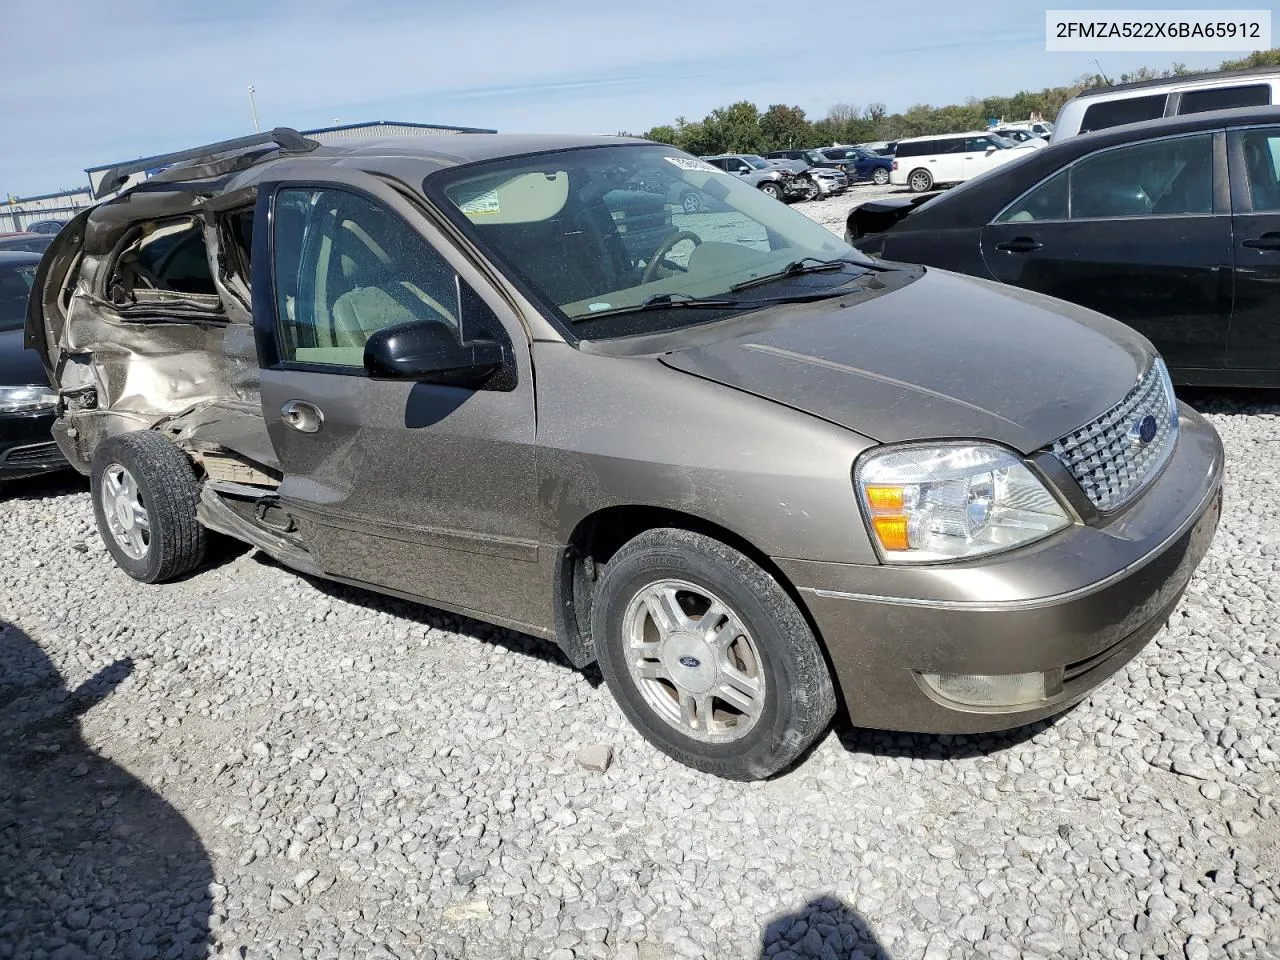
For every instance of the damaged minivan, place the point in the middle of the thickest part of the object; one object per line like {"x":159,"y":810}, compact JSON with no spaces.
{"x":755,"y":474}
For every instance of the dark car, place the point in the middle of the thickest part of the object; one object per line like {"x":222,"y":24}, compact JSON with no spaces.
{"x":1172,"y":226}
{"x":861,"y":163}
{"x":27,"y":404}
{"x":26,"y":242}
{"x":46,"y":226}
{"x":742,"y":477}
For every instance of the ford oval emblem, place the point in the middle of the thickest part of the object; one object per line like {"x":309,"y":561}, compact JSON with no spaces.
{"x":1144,"y":430}
{"x":693,"y":663}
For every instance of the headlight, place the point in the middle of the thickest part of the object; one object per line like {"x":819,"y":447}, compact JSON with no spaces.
{"x":26,"y":399}
{"x":929,"y":502}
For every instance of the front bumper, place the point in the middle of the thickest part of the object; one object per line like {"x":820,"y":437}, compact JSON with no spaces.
{"x":1077,"y":606}
{"x":27,"y":447}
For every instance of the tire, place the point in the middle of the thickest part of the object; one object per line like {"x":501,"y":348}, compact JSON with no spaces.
{"x":880,"y":176}
{"x":690,"y":202}
{"x":772,"y":189}
{"x":920,"y":180}
{"x":152,"y":532}
{"x":765,"y":645}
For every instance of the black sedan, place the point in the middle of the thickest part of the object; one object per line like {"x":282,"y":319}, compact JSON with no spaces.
{"x":1172,"y":226}
{"x":26,"y":401}
{"x":26,"y":242}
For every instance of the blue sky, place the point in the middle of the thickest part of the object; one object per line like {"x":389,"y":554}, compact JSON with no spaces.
{"x":85,"y":87}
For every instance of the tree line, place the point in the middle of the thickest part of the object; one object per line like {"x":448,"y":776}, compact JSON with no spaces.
{"x":743,"y":128}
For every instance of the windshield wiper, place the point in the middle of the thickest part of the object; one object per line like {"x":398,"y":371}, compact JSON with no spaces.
{"x":668,"y":301}
{"x":794,"y":269}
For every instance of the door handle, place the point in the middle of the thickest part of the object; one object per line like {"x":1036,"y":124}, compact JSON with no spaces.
{"x":302,"y":416}
{"x":1268,"y":241}
{"x":1020,"y":245}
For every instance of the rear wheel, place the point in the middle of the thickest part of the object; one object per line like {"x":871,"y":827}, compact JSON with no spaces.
{"x":708,"y":656}
{"x":920,"y":180}
{"x":880,"y":176}
{"x":144,"y":500}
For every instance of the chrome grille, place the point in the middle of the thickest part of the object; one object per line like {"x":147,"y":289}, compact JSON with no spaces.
{"x":1108,"y":456}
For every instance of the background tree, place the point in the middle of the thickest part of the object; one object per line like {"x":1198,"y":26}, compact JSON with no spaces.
{"x":784,"y":128}
{"x":742,"y":128}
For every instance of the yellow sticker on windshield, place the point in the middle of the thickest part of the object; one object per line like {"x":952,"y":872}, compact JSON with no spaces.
{"x":486,"y":204}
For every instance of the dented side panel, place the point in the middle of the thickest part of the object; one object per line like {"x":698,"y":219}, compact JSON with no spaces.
{"x":155,"y":358}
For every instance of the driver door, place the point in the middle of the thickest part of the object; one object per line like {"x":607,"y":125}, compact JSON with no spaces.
{"x":418,"y":488}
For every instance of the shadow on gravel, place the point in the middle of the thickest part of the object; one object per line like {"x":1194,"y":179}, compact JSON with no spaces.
{"x":427,"y":616}
{"x":92,"y":862}
{"x":45,"y":485}
{"x":1239,"y":401}
{"x":940,"y":746}
{"x":825,"y":927}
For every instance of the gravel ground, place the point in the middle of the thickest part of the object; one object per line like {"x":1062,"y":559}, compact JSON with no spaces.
{"x":254,"y":764}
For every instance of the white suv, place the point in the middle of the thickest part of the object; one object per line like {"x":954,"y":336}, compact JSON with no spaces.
{"x":1151,"y":99}
{"x":922,"y":163}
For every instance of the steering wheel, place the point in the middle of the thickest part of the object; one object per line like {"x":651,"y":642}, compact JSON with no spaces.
{"x":651,"y":268}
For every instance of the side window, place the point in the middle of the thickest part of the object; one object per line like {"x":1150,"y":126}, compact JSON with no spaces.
{"x":1048,"y":201}
{"x":167,"y":260}
{"x":977,"y":144}
{"x":953,"y":145}
{"x":1225,"y":98}
{"x":1157,"y":178}
{"x":1113,"y":113}
{"x":346,"y":267}
{"x":1262,"y":167}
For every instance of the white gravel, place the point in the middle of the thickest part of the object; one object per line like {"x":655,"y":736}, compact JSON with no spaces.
{"x":268,"y":766}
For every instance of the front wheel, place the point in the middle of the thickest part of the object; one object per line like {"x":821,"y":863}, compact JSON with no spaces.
{"x":880,"y":176}
{"x":772,"y":189}
{"x":708,"y":656}
{"x":920,"y":180}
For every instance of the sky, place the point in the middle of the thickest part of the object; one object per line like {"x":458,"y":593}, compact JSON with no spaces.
{"x":84,"y":87}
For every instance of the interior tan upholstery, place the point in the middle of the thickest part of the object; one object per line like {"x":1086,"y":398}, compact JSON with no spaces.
{"x":361,"y":312}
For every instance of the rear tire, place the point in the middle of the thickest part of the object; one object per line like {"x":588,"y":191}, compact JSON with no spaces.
{"x":757,"y":649}
{"x":880,"y":176}
{"x":145,"y":493}
{"x":920,"y":180}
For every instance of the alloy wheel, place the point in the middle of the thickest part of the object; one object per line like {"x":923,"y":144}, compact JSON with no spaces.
{"x":694,"y":661}
{"x":125,"y":511}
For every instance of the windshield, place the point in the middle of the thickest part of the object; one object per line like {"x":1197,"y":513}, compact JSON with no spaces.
{"x":601,"y":229}
{"x":760,"y":163}
{"x":15,"y":284}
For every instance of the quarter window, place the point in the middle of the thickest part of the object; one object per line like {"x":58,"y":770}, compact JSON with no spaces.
{"x":1225,"y":98}
{"x":1113,"y":113}
{"x":345,"y":268}
{"x":1157,"y":178}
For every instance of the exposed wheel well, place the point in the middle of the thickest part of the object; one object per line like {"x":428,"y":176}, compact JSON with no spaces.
{"x":599,"y":536}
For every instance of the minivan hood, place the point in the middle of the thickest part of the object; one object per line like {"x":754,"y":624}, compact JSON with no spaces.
{"x":944,"y":356}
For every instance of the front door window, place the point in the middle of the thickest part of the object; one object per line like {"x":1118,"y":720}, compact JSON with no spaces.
{"x":346,"y":267}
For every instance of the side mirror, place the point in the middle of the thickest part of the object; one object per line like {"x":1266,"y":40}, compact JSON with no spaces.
{"x":991,"y":149}
{"x":430,"y":352}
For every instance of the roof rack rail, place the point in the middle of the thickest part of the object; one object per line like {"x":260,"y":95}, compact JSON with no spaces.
{"x":286,"y":138}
